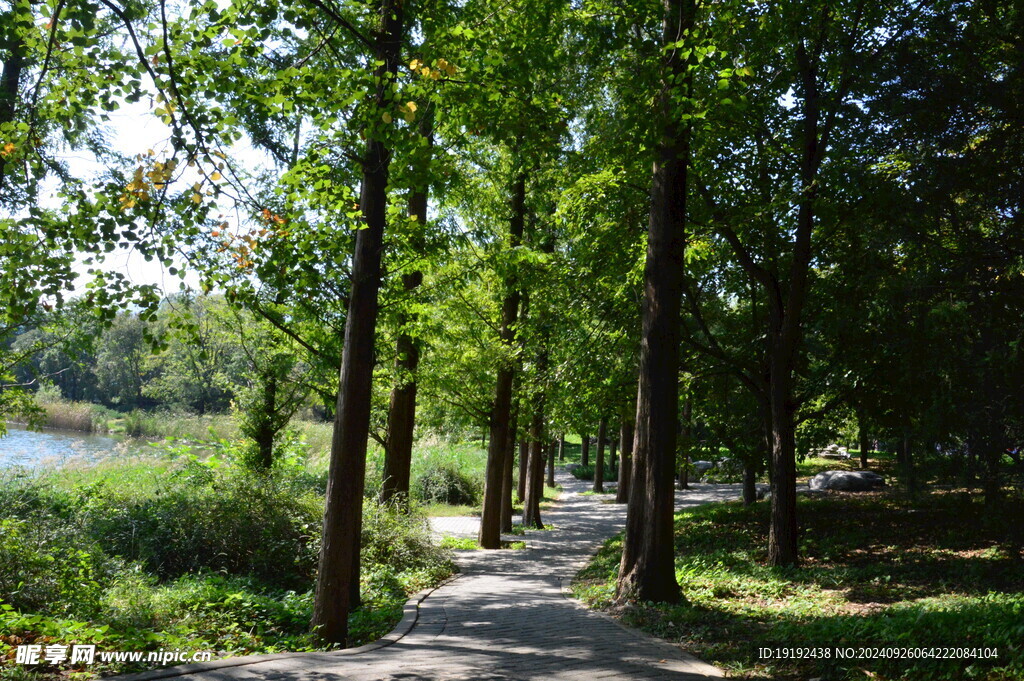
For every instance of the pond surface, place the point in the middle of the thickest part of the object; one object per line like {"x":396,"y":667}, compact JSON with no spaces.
{"x":51,"y":447}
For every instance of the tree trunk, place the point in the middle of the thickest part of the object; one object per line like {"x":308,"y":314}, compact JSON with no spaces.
{"x":402,"y":409}
{"x":647,"y":570}
{"x":551,"y":463}
{"x":535,"y":470}
{"x":10,"y":80}
{"x":265,"y":434}
{"x":338,"y":572}
{"x":584,"y":450}
{"x":524,"y":457}
{"x":782,"y":533}
{"x":602,"y":436}
{"x":862,"y":436}
{"x":904,"y":457}
{"x":561,"y":447}
{"x":490,"y":517}
{"x":613,"y":448}
{"x":507,"y":483}
{"x":625,"y":460}
{"x":749,"y":483}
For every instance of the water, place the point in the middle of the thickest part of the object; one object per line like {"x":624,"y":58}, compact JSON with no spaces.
{"x":51,"y":447}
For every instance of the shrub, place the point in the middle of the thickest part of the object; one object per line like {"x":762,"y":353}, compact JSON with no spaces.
{"x":394,"y":537}
{"x":443,"y":483}
{"x":587,"y":473}
{"x":211,"y":516}
{"x":47,"y":565}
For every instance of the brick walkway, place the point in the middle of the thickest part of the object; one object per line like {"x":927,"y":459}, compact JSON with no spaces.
{"x":505,"y":617}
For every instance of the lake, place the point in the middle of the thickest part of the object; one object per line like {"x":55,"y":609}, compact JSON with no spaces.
{"x":51,"y":447}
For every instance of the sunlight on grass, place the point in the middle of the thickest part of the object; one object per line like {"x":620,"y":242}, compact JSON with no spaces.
{"x":877,"y":571}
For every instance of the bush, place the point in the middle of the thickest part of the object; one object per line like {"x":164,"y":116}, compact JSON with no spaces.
{"x":47,"y":565}
{"x":235,"y":522}
{"x":611,"y":474}
{"x":394,"y":540}
{"x":443,"y":483}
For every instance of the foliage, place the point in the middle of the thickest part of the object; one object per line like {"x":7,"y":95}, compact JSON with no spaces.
{"x":880,"y":571}
{"x":587,"y":473}
{"x":446,"y":484}
{"x":190,"y":553}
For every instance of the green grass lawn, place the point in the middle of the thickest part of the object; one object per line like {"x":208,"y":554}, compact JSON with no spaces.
{"x":878,"y":570}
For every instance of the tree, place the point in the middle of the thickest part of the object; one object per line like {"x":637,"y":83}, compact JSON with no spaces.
{"x":647,"y":570}
{"x":339,"y":558}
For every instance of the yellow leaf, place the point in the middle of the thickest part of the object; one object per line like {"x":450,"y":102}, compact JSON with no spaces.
{"x":197,"y":187}
{"x":411,"y":106}
{"x":8,"y":149}
{"x":216,"y":176}
{"x":414,"y":65}
{"x":197,"y":198}
{"x":387,"y":117}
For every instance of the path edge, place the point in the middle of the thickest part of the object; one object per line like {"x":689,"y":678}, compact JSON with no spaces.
{"x":702,"y":667}
{"x":410,"y":616}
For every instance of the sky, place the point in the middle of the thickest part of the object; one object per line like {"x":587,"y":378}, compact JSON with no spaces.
{"x":134,"y":129}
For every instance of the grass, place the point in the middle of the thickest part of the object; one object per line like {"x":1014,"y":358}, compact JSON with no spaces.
{"x":592,"y":493}
{"x":186,"y":553}
{"x":470,"y":544}
{"x":878,"y":570}
{"x":880,"y":462}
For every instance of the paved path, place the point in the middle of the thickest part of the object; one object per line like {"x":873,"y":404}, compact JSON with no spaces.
{"x":506,"y":617}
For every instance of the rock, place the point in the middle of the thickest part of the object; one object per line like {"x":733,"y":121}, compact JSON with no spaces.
{"x":702,"y":467}
{"x":847,"y":481}
{"x":834,"y":452}
{"x":730,"y":466}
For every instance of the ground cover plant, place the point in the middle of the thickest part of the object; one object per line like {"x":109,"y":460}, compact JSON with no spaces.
{"x":179,"y":551}
{"x":880,"y":570}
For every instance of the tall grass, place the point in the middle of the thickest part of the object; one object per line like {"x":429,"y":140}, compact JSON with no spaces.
{"x":68,"y":415}
{"x":180,"y":426}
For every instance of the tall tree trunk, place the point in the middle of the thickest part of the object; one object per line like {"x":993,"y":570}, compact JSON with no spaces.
{"x":785,"y":326}
{"x":490,"y":517}
{"x":613,"y":449}
{"x":507,"y":482}
{"x":535,"y":469}
{"x":551,"y":463}
{"x":524,"y":457}
{"x":862,"y":436}
{"x":625,"y":459}
{"x":561,"y":447}
{"x":647,"y":570}
{"x":402,"y":409}
{"x":904,"y":457}
{"x":602,"y":437}
{"x":338,"y":572}
{"x":782,"y":533}
{"x":749,"y":482}
{"x":584,"y":450}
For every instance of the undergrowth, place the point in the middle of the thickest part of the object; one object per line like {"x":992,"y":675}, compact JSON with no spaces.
{"x":877,"y":570}
{"x":190,"y":553}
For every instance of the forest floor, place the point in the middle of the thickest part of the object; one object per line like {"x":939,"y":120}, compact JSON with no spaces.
{"x":937,"y":574}
{"x":506,"y":616}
